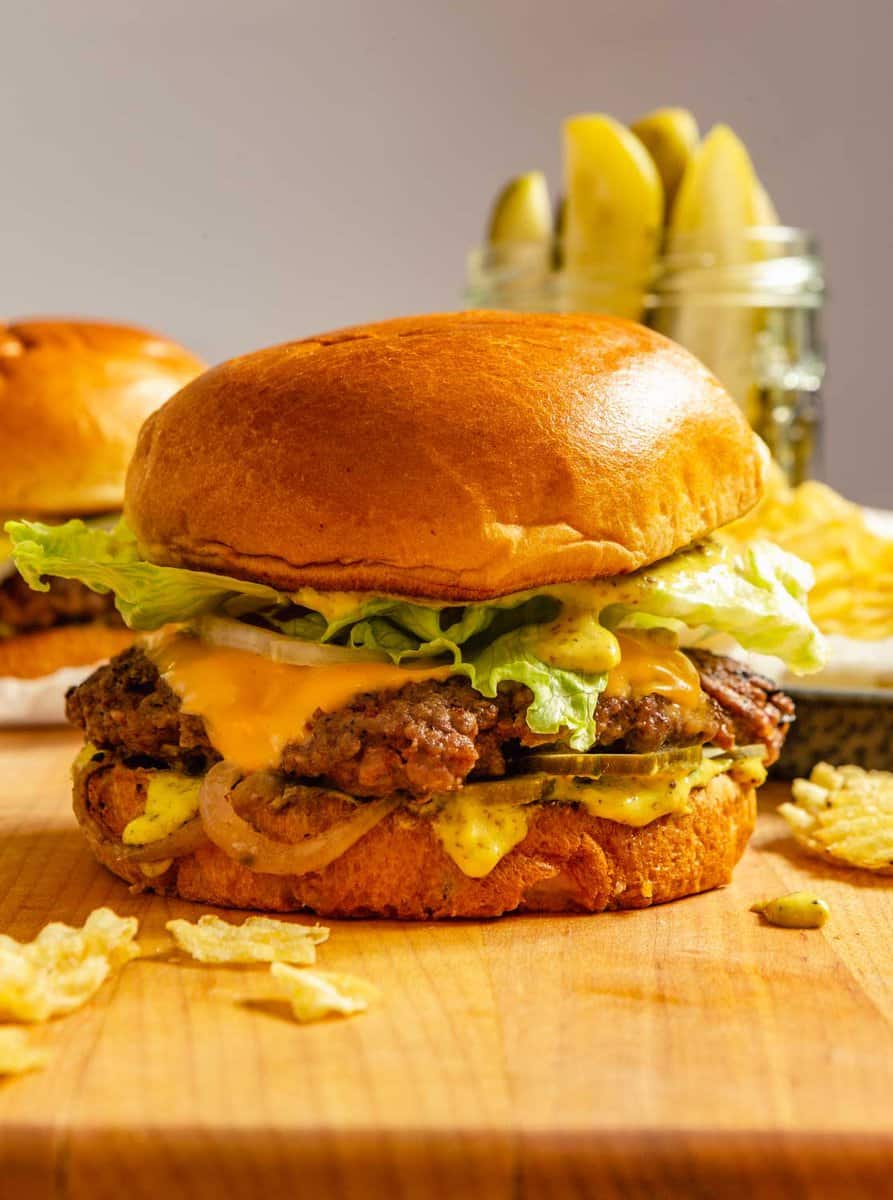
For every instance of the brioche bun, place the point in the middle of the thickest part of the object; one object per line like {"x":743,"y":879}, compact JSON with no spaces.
{"x":569,"y":861}
{"x":74,"y":395}
{"x":32,"y":655}
{"x":459,"y":456}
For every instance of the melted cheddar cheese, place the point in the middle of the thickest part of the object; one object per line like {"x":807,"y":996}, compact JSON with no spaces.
{"x":252,"y":707}
{"x":648,"y":668}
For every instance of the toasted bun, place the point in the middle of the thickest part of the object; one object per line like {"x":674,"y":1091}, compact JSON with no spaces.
{"x":569,"y":861}
{"x":31,"y":655}
{"x":459,"y":456}
{"x":73,"y":395}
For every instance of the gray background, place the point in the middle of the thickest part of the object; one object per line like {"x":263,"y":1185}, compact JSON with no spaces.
{"x":241,"y":172}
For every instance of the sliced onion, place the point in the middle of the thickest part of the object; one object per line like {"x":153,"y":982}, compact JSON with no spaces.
{"x":182,"y":841}
{"x":239,"y":840}
{"x":237,"y":635}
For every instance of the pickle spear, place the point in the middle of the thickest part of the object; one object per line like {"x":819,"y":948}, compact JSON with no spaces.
{"x":719,"y":202}
{"x":522,"y":211}
{"x":670,"y":135}
{"x":720,"y":197}
{"x":613,"y":216}
{"x":765,"y":212}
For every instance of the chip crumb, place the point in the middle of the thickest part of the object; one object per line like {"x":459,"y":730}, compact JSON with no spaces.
{"x":18,"y":1054}
{"x":256,"y":940}
{"x":844,"y":814}
{"x":63,"y":967}
{"x":314,"y":995}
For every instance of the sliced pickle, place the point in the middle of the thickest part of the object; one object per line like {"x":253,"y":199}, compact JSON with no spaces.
{"x":593,"y":766}
{"x":522,"y":211}
{"x":613,"y":216}
{"x":670,"y":135}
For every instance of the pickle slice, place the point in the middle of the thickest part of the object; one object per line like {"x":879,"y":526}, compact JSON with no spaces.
{"x":593,"y":766}
{"x":670,"y":135}
{"x":522,"y":211}
{"x":613,"y":216}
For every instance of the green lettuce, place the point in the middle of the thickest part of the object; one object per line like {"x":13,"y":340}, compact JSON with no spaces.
{"x":147,"y":596}
{"x":756,"y":594}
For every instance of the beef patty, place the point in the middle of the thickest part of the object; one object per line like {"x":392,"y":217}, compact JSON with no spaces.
{"x":427,"y":737}
{"x":67,"y":602}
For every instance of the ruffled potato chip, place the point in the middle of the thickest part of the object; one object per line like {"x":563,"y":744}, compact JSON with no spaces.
{"x":17,"y":1054}
{"x":844,"y":814}
{"x":63,"y":967}
{"x":314,"y":995}
{"x":258,"y":939}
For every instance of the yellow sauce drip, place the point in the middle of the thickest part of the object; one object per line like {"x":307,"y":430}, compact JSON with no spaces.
{"x":171,"y":800}
{"x":648,"y":668}
{"x":476,"y":834}
{"x":252,"y":707}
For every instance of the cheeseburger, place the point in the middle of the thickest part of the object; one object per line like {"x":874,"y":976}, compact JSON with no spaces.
{"x":74,"y":395}
{"x":425,"y":605}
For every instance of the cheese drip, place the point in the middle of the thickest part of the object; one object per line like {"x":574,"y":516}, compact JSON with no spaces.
{"x":648,"y":668}
{"x":252,"y":707}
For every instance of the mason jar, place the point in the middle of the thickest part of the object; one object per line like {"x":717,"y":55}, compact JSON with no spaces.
{"x":748,"y":307}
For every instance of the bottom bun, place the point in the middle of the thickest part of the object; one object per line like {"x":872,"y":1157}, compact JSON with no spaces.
{"x":569,"y":861}
{"x":30,"y":655}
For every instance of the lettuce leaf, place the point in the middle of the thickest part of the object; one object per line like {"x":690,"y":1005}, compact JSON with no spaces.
{"x":755,"y":593}
{"x":147,"y":596}
{"x":561,"y":699}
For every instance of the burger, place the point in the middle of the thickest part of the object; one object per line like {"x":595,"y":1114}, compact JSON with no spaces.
{"x":75,"y":394}
{"x":425,"y":606}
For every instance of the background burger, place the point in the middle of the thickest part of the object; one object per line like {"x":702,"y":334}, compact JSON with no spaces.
{"x":74,"y":395}
{"x":419,"y":591}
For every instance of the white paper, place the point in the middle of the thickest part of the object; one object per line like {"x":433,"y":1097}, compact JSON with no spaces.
{"x":39,"y":701}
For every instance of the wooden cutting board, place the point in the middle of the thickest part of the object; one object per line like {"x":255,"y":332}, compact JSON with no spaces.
{"x":683,"y":1051}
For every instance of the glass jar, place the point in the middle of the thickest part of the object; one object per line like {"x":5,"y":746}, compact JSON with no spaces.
{"x":749,"y":308}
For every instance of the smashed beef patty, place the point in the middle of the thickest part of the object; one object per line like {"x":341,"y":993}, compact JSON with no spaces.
{"x":68,"y":602}
{"x":427,"y":737}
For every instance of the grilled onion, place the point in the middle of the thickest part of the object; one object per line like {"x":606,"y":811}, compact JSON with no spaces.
{"x":182,"y":841}
{"x":239,"y":840}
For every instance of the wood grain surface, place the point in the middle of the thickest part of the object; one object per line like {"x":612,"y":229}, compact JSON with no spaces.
{"x":683,"y":1051}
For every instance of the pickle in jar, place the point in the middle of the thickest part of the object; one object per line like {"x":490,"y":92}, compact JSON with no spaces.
{"x":613,"y":216}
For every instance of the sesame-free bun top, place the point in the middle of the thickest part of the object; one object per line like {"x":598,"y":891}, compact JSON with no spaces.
{"x":458,"y":457}
{"x":73,"y":395}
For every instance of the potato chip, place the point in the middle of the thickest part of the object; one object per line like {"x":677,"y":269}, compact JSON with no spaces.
{"x":258,"y":939}
{"x":314,"y":995}
{"x":18,"y":1054}
{"x":63,"y":967}
{"x":844,"y":814}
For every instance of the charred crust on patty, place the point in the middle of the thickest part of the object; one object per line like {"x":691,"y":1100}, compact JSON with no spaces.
{"x":425,"y":737}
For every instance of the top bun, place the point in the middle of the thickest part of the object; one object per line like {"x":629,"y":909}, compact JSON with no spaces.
{"x":73,"y":395}
{"x":458,"y":457}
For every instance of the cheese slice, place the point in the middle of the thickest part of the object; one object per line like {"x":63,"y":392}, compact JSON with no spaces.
{"x":648,"y":668}
{"x":252,"y":707}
